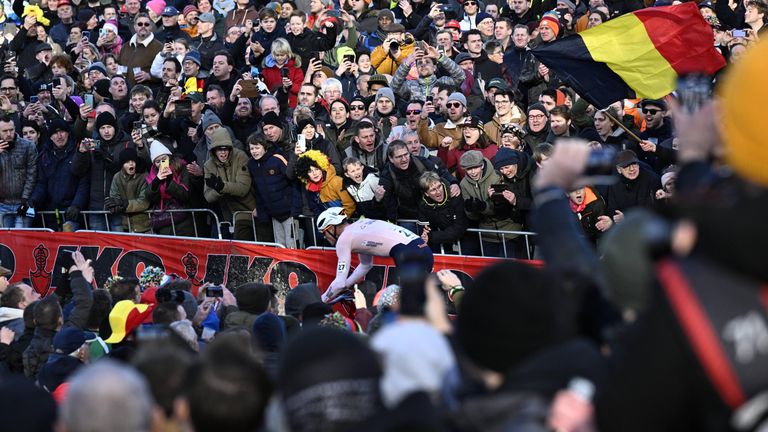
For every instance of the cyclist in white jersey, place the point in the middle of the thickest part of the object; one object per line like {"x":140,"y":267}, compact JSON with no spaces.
{"x":367,"y":238}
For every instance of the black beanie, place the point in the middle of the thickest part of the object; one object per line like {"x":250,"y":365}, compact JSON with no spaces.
{"x":105,"y":118}
{"x":329,"y":380}
{"x":303,"y":122}
{"x":254,"y":297}
{"x":299,"y":297}
{"x":273,"y":119}
{"x":128,"y":154}
{"x":102,"y":87}
{"x":507,"y":315}
{"x":538,"y":107}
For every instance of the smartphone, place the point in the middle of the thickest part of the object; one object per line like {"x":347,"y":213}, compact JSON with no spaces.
{"x":214,"y":291}
{"x":137,"y":126}
{"x":86,"y":35}
{"x":183,"y":108}
{"x":441,"y":49}
{"x":413,"y":293}
{"x":284,"y":72}
{"x":33,"y":99}
{"x":255,"y":72}
{"x":165,"y":164}
{"x":301,"y":143}
{"x":93,"y":144}
{"x":430,"y":99}
{"x":693,"y":91}
{"x":30,"y":212}
{"x":89,"y":99}
{"x":499,"y":188}
{"x":169,"y":39}
{"x":349,"y":57}
{"x":739,"y":33}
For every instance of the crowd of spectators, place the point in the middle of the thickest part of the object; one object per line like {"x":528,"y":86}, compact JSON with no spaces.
{"x":118,"y":116}
{"x":266,"y":114}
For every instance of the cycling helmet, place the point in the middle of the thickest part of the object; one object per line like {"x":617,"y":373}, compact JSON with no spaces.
{"x":329,"y":217}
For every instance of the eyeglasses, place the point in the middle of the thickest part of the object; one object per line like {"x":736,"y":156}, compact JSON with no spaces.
{"x":501,"y":102}
{"x":651,"y":111}
{"x":357,"y":108}
{"x":401,"y":156}
{"x":412,"y":112}
{"x":143,"y":24}
{"x":536,"y":116}
{"x":7,"y":89}
{"x":332,"y":92}
{"x":435,"y":189}
{"x":454,"y":105}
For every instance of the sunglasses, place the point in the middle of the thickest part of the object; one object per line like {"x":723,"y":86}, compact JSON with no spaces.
{"x":454,"y":105}
{"x":357,"y":108}
{"x":412,"y":112}
{"x":651,"y":111}
{"x":470,"y":3}
{"x":143,"y":24}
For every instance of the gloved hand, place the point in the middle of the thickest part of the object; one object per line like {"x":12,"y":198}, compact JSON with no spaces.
{"x":114,"y":204}
{"x":481,"y":205}
{"x":474,"y":205}
{"x":23,"y":207}
{"x":72,"y":214}
{"x":215,"y":183}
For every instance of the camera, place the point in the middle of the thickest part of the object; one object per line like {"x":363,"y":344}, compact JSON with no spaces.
{"x":394,"y":46}
{"x":214,"y":291}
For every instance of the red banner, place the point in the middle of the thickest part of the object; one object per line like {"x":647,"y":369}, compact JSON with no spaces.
{"x":40,"y":257}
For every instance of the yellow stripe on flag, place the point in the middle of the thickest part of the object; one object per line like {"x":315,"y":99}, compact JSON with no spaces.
{"x":632,"y":56}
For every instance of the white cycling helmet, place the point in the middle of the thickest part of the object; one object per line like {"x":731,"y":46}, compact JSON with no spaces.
{"x":331,"y":216}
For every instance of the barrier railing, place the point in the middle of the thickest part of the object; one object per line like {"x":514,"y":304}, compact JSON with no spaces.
{"x":41,"y":216}
{"x":503,"y":234}
{"x":295,"y":231}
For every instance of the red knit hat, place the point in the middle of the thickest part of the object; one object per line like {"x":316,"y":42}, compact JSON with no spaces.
{"x":552,"y":22}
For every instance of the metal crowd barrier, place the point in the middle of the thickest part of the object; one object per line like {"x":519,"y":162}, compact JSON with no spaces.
{"x":106,"y":215}
{"x":295,"y":231}
{"x":480,"y":232}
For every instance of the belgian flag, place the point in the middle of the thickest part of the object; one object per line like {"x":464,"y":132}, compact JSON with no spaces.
{"x":637,"y":55}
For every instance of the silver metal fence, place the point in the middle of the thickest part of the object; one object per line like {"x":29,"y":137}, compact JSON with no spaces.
{"x":40,"y":215}
{"x":295,"y":231}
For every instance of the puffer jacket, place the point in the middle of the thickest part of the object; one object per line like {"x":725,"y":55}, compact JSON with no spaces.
{"x":57,"y":187}
{"x":385,"y":63}
{"x":100,"y":166}
{"x":520,"y":185}
{"x":276,"y":196}
{"x":18,"y":172}
{"x":332,"y":194}
{"x":420,"y":88}
{"x":237,"y":194}
{"x":36,"y":354}
{"x":133,"y":190}
{"x":487,"y":217}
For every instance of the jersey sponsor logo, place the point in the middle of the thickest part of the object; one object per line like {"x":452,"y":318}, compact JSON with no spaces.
{"x":371,"y":244}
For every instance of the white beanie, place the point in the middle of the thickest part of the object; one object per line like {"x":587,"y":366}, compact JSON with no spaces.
{"x":157,"y":149}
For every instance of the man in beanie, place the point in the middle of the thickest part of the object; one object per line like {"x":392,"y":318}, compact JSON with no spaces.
{"x":306,"y":127}
{"x":58,"y":188}
{"x":512,"y":197}
{"x":449,"y":133}
{"x":128,"y":193}
{"x":537,"y":127}
{"x":98,"y":159}
{"x":636,"y":187}
{"x":253,"y":299}
{"x":276,"y":134}
{"x":476,"y":189}
{"x":427,"y":64}
{"x":228,"y":183}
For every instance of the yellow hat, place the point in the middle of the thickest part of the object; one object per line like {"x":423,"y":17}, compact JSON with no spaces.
{"x":744,"y":91}
{"x":125,"y":317}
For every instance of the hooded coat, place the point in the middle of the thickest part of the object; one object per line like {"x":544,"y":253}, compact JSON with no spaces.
{"x":447,"y":219}
{"x":133,"y":190}
{"x":329,"y":192}
{"x":487,"y":217}
{"x":520,"y":185}
{"x":57,"y":187}
{"x":237,"y":194}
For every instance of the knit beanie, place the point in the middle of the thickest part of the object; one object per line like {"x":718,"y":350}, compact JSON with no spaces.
{"x":385,"y":92}
{"x":102,"y":87}
{"x":506,"y":156}
{"x":110,"y":25}
{"x":58,"y":125}
{"x":156,"y":6}
{"x":105,"y":119}
{"x":378,"y":79}
{"x":269,"y":332}
{"x":537,"y":107}
{"x":189,"y":8}
{"x":157,"y":149}
{"x":85,"y":15}
{"x":508,"y":314}
{"x":551,"y":20}
{"x":329,"y":380}
{"x":273,"y":119}
{"x":457,"y":97}
{"x":210,"y":118}
{"x":192,"y":55}
{"x":128,"y":154}
{"x":254,"y":297}
{"x":98,"y":66}
{"x":304,"y":122}
{"x":471,"y":159}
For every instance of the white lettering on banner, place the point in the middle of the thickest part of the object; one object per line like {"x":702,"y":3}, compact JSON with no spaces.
{"x":749,"y":335}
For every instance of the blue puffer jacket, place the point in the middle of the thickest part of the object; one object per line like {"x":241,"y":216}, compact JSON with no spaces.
{"x":276,"y":196}
{"x":57,"y":187}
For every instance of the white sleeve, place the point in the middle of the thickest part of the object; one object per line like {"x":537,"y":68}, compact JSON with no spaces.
{"x":156,"y":70}
{"x":366,"y":263}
